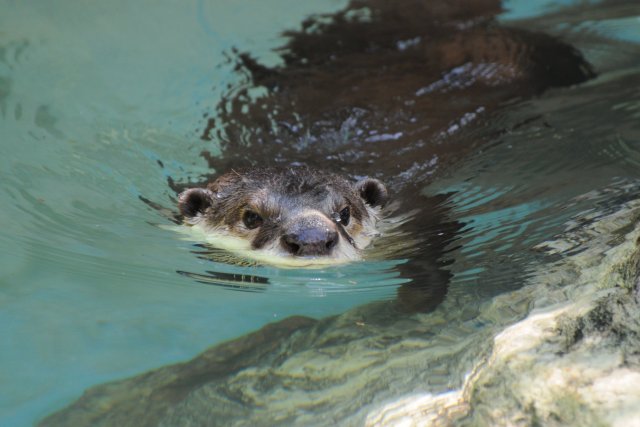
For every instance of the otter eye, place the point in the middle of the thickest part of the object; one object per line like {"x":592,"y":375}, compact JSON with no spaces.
{"x":345,"y":215}
{"x":251,"y":220}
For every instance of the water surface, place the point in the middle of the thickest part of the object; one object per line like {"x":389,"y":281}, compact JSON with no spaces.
{"x":94,"y":97}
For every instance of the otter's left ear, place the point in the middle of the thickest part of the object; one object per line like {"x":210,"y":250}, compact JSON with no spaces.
{"x":194,"y":201}
{"x":372,"y":191}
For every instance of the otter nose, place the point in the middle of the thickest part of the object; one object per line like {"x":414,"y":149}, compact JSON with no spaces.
{"x":310,"y":238}
{"x":310,"y":242}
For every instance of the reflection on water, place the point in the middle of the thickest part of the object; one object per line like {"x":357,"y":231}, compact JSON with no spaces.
{"x":99,"y":107}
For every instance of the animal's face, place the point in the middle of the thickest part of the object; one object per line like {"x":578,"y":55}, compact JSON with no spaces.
{"x":291,"y":213}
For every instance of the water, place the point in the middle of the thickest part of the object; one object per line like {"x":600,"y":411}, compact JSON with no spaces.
{"x":92,"y":97}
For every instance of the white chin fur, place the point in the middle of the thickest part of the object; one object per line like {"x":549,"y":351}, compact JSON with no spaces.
{"x":272,"y":254}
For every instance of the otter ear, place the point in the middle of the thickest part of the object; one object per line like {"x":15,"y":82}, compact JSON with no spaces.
{"x":372,"y":191}
{"x":194,"y":201}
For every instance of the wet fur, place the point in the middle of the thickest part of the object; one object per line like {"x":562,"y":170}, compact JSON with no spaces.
{"x":284,"y":197}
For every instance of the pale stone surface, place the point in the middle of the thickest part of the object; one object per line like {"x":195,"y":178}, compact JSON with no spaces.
{"x":575,"y":361}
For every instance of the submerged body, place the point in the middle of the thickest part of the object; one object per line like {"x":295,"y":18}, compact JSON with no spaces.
{"x":399,"y":91}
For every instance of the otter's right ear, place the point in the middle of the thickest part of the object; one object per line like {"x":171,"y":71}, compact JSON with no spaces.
{"x":194,"y":201}
{"x":372,"y":191}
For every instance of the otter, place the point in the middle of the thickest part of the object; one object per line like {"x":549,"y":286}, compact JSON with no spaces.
{"x":399,"y":92}
{"x":288,"y":212}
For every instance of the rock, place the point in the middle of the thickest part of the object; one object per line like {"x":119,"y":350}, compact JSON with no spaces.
{"x":148,"y":399}
{"x":574,"y":360}
{"x":562,"y":350}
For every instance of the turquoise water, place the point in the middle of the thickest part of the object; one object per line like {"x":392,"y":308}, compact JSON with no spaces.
{"x":93,"y":96}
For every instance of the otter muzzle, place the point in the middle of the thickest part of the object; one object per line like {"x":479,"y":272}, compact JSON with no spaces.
{"x":310,"y":236}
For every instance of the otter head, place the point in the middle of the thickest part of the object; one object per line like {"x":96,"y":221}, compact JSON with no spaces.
{"x":292,"y":213}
